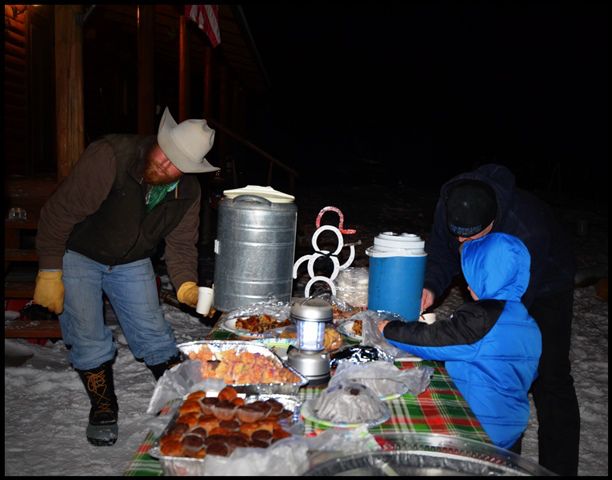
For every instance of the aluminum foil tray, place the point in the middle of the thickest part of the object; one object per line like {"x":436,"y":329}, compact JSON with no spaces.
{"x":250,"y":389}
{"x":426,"y":455}
{"x":184,"y":466}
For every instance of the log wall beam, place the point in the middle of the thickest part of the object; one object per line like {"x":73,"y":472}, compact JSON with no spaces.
{"x":68,"y":87}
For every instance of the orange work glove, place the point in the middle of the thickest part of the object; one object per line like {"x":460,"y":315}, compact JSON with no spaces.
{"x":188,"y":294}
{"x":49,"y":290}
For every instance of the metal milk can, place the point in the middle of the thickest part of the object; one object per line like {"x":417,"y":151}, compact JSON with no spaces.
{"x":255,"y":248}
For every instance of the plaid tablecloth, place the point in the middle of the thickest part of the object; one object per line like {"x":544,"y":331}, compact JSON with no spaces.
{"x":439,"y":409}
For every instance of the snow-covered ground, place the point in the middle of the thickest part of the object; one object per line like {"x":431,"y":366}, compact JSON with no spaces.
{"x":46,"y":407}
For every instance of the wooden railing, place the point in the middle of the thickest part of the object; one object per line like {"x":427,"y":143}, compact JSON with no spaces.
{"x":20,"y":257}
{"x":272,"y":161}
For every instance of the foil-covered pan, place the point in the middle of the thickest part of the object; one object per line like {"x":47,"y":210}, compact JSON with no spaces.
{"x":185,"y":466}
{"x":216,"y":346}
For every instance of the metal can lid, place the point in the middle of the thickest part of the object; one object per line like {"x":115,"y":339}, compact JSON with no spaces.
{"x":268,"y":193}
{"x":313,"y":310}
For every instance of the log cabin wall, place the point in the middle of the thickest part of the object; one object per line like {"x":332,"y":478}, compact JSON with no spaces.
{"x":110,"y":78}
{"x":110,"y":71}
{"x":43,"y":147}
{"x":15,"y":92}
{"x":222,"y":82}
{"x":29,"y":92}
{"x":110,"y":53}
{"x":29,"y":138}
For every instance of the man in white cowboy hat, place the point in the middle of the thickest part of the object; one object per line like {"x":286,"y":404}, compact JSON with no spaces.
{"x":97,"y":233}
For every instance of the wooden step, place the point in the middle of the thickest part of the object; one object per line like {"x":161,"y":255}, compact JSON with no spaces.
{"x":30,"y":224}
{"x":16,"y":289}
{"x":32,"y":329}
{"x":20,"y":255}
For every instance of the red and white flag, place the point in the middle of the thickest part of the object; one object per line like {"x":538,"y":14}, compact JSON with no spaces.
{"x":207,"y":18}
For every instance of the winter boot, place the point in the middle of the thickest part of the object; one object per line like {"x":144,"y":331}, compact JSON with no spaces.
{"x":102,"y":428}
{"x":159,"y":369}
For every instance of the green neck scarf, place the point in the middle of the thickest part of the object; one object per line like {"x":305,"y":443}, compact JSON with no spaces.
{"x":157,"y":193}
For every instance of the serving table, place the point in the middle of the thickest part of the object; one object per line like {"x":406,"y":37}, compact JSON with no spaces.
{"x":439,"y":409}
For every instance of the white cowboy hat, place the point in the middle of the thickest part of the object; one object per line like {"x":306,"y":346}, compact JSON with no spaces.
{"x":186,"y":144}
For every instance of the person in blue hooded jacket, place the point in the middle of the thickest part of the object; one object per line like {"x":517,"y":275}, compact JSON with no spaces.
{"x":475,"y":203}
{"x":491,"y":347}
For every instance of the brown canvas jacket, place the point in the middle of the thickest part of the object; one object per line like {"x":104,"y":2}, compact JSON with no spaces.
{"x":81,"y":195}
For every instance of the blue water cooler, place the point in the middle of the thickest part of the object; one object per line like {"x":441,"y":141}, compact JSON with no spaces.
{"x":396,"y":274}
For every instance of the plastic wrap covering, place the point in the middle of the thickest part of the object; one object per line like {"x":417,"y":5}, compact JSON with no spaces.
{"x":285,"y":457}
{"x":384,"y":378}
{"x":371,"y":335}
{"x":352,"y":286}
{"x":265,"y":317}
{"x":358,"y":354}
{"x":350,"y":403}
{"x":217,"y":346}
{"x":177,"y":382}
{"x":278,"y":310}
{"x":340,"y":308}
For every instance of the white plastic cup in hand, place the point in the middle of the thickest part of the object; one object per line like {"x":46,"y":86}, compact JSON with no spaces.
{"x":205,"y":300}
{"x":428,"y":318}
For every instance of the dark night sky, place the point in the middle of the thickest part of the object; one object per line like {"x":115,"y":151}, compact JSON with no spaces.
{"x":424,"y":90}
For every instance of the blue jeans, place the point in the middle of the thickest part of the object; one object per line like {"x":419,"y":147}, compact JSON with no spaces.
{"x":132,"y":291}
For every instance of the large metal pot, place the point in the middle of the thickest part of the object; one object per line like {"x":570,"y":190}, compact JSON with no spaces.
{"x":254,"y":251}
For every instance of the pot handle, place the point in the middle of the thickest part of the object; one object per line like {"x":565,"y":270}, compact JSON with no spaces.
{"x":252,"y":198}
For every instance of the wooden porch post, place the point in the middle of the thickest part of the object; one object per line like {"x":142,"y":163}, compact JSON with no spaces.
{"x":206,"y":227}
{"x":146,"y":73}
{"x":223,"y":114}
{"x":68,"y":87}
{"x":208,"y":65}
{"x":184,"y":73}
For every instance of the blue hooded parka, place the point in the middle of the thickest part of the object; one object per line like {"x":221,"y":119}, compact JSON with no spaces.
{"x":492,"y":346}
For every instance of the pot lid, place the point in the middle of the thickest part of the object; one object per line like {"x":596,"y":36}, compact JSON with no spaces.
{"x":268,"y":193}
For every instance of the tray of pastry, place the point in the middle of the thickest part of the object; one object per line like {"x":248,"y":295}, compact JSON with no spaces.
{"x":250,"y":368}
{"x":211,"y":423}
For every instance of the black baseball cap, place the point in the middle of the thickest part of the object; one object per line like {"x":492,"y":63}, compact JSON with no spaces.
{"x":471,"y":205}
